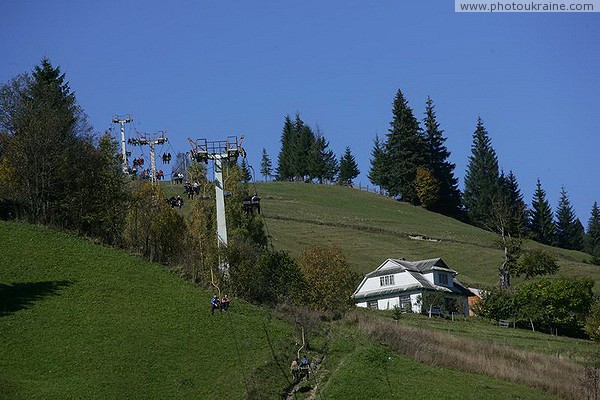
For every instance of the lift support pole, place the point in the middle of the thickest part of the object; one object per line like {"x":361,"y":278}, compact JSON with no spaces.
{"x":122,"y":121}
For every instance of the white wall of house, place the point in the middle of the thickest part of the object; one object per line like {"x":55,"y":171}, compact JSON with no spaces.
{"x":400,"y":279}
{"x":390,"y":302}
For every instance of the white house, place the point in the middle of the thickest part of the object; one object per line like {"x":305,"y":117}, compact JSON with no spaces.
{"x":401,"y":283}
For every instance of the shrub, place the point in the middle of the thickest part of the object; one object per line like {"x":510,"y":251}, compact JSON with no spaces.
{"x":329,"y":280}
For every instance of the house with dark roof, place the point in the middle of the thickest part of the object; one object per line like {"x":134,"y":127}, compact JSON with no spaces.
{"x":402,"y":283}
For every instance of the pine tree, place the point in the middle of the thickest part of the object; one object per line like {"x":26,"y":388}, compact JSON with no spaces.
{"x":482,"y":177}
{"x":285,"y":162}
{"x":405,"y":149}
{"x":592,"y":238}
{"x":246,"y":175}
{"x":322,"y":165}
{"x":541,"y":224}
{"x":303,"y":142}
{"x":50,"y":147}
{"x":378,"y":163}
{"x":266,"y":165}
{"x":348,"y":168}
{"x":567,"y":230}
{"x":516,"y":207}
{"x":449,"y":201}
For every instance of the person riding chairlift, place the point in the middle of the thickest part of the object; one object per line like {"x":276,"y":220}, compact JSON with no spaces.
{"x":215,"y":304}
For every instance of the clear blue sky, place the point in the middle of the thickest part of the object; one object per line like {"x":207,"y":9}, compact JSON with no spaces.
{"x":216,"y":68}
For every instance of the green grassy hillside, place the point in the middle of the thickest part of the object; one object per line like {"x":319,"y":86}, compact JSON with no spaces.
{"x":82,"y":321}
{"x":371,"y":228}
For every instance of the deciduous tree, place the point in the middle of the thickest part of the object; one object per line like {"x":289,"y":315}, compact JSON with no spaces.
{"x":329,"y":279}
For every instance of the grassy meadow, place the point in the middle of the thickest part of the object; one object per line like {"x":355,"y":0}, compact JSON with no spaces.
{"x":370,"y":228}
{"x":78,"y":320}
{"x":83,"y":321}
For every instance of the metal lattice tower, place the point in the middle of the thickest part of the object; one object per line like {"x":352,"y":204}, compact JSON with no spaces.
{"x":122,"y":120}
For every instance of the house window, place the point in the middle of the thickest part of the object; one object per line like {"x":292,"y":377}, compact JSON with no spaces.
{"x":443,"y":278}
{"x":386,"y":280}
{"x":372,"y":304}
{"x":405,"y":304}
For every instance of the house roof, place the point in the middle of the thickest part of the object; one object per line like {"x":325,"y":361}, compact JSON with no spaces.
{"x":393,"y":265}
{"x":416,"y":269}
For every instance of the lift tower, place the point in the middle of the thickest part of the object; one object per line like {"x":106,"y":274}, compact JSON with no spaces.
{"x":151,"y":140}
{"x":122,"y":120}
{"x":219,"y":152}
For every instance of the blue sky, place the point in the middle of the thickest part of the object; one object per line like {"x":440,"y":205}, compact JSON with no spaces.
{"x":209,"y":69}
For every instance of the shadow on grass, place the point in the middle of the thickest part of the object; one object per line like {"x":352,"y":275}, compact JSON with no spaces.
{"x":19,"y":296}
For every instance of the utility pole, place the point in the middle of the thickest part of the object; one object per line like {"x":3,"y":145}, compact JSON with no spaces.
{"x":151,"y":140}
{"x":122,"y":120}
{"x":219,"y":152}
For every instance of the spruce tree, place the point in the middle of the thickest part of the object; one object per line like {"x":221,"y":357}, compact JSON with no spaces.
{"x":541,"y":224}
{"x":405,"y":149}
{"x":348,"y":168}
{"x":592,"y":237}
{"x":265,"y":165}
{"x":285,"y":161}
{"x":516,"y":207}
{"x":323,"y":165}
{"x":568,"y":234}
{"x":481,"y":178}
{"x":378,"y":163}
{"x":303,"y":142}
{"x":246,"y":175}
{"x":448,"y":199}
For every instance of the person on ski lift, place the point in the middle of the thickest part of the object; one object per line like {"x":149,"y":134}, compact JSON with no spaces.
{"x":304,"y":367}
{"x":214,"y":303}
{"x":225,"y":303}
{"x":294,"y":368}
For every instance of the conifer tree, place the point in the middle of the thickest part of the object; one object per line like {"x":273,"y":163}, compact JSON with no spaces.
{"x":405,"y":149}
{"x":448,"y":199}
{"x":246,"y":175}
{"x":516,"y":207}
{"x":323,"y":165}
{"x":50,"y":155}
{"x":541,"y":224}
{"x":482,"y":177}
{"x":592,"y":238}
{"x":265,"y":165}
{"x":348,"y":168}
{"x":378,"y":163}
{"x":303,"y":141}
{"x":285,"y":163}
{"x":567,"y":230}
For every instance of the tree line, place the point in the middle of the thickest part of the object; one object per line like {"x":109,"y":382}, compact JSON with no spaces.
{"x":413,"y":164}
{"x":305,"y":157}
{"x":55,"y":171}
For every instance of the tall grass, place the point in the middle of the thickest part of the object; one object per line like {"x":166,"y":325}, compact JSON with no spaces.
{"x":553,"y":374}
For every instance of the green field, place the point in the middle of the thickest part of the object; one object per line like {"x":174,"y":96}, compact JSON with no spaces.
{"x":79,"y":320}
{"x":84,"y":321}
{"x":370,"y":228}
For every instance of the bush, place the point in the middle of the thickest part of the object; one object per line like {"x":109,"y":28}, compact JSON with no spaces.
{"x":592,"y":322}
{"x":496,"y":304}
{"x":329,"y":279}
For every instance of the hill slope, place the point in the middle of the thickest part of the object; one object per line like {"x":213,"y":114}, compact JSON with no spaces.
{"x":371,"y":228}
{"x":84,"y":321}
